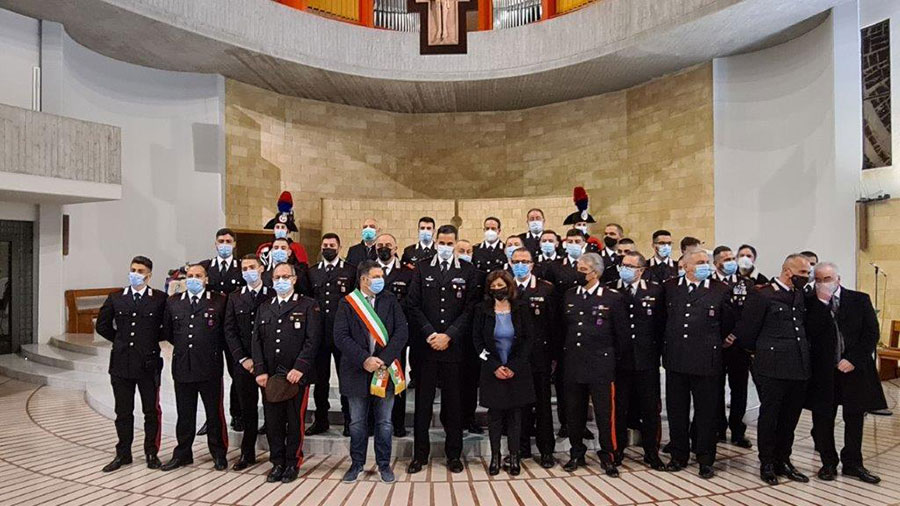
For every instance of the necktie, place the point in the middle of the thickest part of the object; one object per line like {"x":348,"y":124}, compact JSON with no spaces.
{"x":522,"y":288}
{"x":222,"y":267}
{"x":834,"y":305}
{"x":253,"y":294}
{"x":445,"y":266}
{"x":633,"y":290}
{"x":137,"y":298}
{"x":194,"y":300}
{"x":691,"y":287}
{"x":329,"y":268}
{"x":281,"y":303}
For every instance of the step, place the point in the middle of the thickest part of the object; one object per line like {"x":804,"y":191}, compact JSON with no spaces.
{"x":89,"y":344}
{"x":64,"y":359}
{"x":20,"y":368}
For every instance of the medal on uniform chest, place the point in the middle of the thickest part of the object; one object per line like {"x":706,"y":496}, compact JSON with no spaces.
{"x":537,"y":311}
{"x":712,"y":312}
{"x":600,"y":322}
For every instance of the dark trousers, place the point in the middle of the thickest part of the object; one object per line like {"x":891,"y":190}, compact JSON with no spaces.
{"x":780,"y":405}
{"x":248,"y":396}
{"x":603,"y":396}
{"x":426,"y":387}
{"x":737,"y":373}
{"x":210,"y":392}
{"x":234,"y":406}
{"x":539,"y":415}
{"x":823,"y":434}
{"x":284,"y":429}
{"x":471,"y":372}
{"x":123,"y":391}
{"x":638,"y":397}
{"x":559,"y":386}
{"x":680,"y":390}
{"x":398,"y":411}
{"x":512,"y":418}
{"x":322,"y":383}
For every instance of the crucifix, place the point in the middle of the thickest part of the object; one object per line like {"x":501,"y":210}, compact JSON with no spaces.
{"x":443,"y":24}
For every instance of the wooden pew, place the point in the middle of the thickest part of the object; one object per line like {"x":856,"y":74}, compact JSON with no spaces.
{"x":82,"y":308}
{"x":889,"y":355}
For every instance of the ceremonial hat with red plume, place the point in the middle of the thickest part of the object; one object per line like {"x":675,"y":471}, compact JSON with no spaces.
{"x":285,"y":213}
{"x":581,"y":203}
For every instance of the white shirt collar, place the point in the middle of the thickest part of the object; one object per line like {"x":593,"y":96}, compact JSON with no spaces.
{"x":227,"y":261}
{"x":423,"y":245}
{"x":333,"y":263}
{"x":782,"y":285}
{"x":285,"y":298}
{"x":592,"y":291}
{"x":141,"y":292}
{"x":199,"y":295}
{"x":526,"y":281}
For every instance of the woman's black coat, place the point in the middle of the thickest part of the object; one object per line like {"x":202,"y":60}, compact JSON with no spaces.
{"x":517,"y":391}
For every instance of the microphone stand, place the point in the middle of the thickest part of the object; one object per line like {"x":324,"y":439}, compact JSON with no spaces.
{"x":879,"y":412}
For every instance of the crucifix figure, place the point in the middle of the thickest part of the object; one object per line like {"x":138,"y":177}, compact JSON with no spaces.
{"x":443,"y":27}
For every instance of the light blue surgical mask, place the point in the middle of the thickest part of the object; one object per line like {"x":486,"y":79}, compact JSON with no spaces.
{"x":445,"y":251}
{"x":465,"y":258}
{"x":425,"y":236}
{"x":574,"y":250}
{"x":664,"y":250}
{"x":521,"y":271}
{"x":628,"y":275}
{"x":547,"y":248}
{"x":251,"y":276}
{"x":368,"y":234}
{"x":729,"y":267}
{"x":135,"y":279}
{"x":280,"y":233}
{"x":702,"y":271}
{"x":376,"y":285}
{"x":510,"y":250}
{"x":282,"y":286}
{"x":536,"y":226}
{"x":194,"y":285}
{"x":224,"y":250}
{"x":681,"y":273}
{"x":279,"y":256}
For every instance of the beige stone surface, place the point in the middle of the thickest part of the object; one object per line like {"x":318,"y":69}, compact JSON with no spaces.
{"x":884,"y":244}
{"x":644,"y":154}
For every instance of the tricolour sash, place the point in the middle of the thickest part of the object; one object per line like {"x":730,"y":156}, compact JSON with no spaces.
{"x":367,"y":314}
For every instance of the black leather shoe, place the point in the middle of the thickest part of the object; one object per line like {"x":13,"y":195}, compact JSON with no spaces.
{"x":153,"y":462}
{"x":317,"y":428}
{"x":742,"y":442}
{"x":244,"y":462}
{"x":655,"y":462}
{"x":827,"y":473}
{"x":790,"y":472}
{"x":400,"y":431}
{"x":515,"y":465}
{"x":563,"y":432}
{"x":203,"y":430}
{"x":220,"y":464}
{"x":414,"y":467}
{"x":547,"y":461}
{"x":675,"y":466}
{"x":587,"y":434}
{"x":618,"y":457}
{"x":116,"y":463}
{"x":494,"y":468}
{"x":262,"y":430}
{"x":767,"y":474}
{"x":707,"y":471}
{"x":237,"y":425}
{"x":525,"y":454}
{"x":609,"y":468}
{"x":474,"y":428}
{"x":573,"y":464}
{"x":175,"y":463}
{"x":275,"y":474}
{"x":455,"y":465}
{"x":861,"y":473}
{"x":290,"y":474}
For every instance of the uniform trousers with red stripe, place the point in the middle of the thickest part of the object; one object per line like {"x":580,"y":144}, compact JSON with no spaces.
{"x":602,"y":394}
{"x":186,"y":394}
{"x":285,"y":422}
{"x":638,"y":398}
{"x":123,"y":391}
{"x":681,"y":388}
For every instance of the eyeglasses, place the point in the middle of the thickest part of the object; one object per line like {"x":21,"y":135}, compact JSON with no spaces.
{"x":281,"y":278}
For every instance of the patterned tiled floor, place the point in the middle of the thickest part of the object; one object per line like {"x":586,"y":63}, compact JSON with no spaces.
{"x":52,"y":446}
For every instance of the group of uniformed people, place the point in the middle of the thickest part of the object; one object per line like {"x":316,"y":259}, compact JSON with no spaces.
{"x":506,"y":322}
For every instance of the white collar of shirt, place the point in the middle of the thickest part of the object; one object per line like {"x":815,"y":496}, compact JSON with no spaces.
{"x":226,"y":261}
{"x":256,"y":290}
{"x":334,"y":263}
{"x":497,"y":244}
{"x":526,"y":281}
{"x":549,"y":257}
{"x":141,"y":292}
{"x":609,"y":252}
{"x":199,"y":296}
{"x":782,"y":285}
{"x":422,"y":245}
{"x":285,"y":299}
{"x":388,"y":266}
{"x":637,"y":284}
{"x":656,"y":260}
{"x":592,"y":291}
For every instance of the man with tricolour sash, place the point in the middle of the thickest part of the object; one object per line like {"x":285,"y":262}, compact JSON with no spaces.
{"x":370,"y":331}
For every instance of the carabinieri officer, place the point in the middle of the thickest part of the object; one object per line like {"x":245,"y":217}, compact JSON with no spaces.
{"x":132,"y":319}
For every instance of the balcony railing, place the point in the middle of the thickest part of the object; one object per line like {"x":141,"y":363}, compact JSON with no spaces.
{"x":393,"y":14}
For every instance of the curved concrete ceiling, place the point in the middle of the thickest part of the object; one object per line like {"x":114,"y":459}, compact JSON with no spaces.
{"x":608,"y":45}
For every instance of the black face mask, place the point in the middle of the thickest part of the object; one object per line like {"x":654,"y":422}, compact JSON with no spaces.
{"x":799,"y":282}
{"x":610,"y":242}
{"x":384,"y":254}
{"x":329,"y":254}
{"x":581,"y":280}
{"x":500,"y":294}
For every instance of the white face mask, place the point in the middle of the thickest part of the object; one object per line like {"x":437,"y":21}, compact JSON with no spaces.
{"x":491,"y":235}
{"x":745,"y":263}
